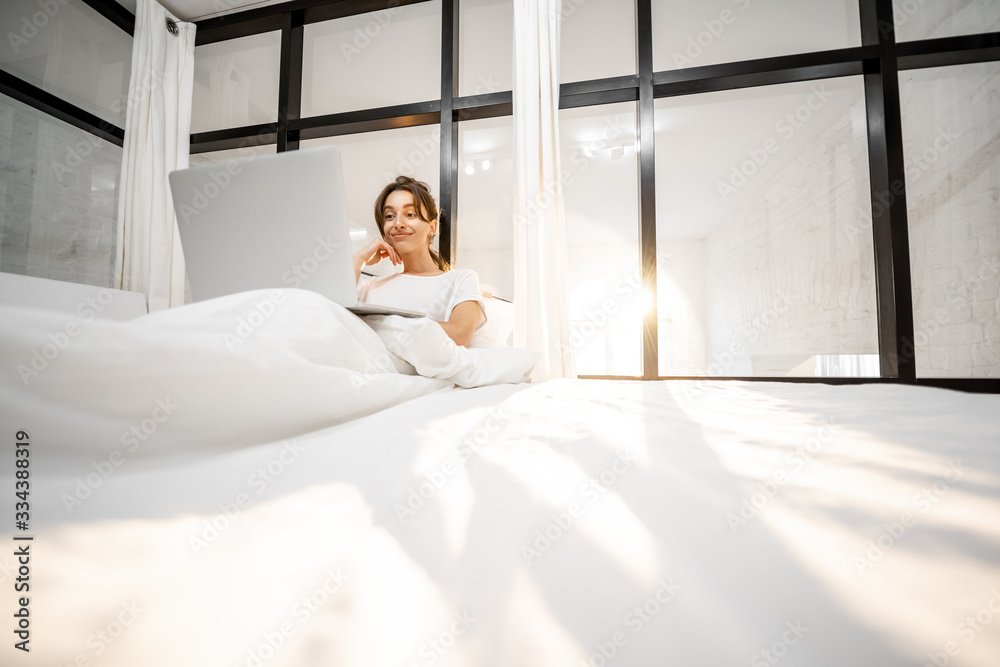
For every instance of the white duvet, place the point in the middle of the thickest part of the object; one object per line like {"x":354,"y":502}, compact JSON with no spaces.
{"x":232,"y":371}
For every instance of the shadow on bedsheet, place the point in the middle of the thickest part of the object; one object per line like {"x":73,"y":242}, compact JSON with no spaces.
{"x":653,"y":561}
{"x":736,"y":595}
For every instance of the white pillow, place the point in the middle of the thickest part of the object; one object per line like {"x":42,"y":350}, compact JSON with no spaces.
{"x":425,"y":345}
{"x":499,"y":322}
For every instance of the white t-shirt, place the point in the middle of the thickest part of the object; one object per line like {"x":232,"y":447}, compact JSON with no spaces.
{"x":435,"y":295}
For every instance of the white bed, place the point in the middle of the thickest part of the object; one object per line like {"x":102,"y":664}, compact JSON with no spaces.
{"x":275,"y":518}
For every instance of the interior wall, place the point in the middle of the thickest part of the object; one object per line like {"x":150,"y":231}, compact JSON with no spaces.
{"x":952,"y":157}
{"x":791,"y":274}
{"x":59,"y":198}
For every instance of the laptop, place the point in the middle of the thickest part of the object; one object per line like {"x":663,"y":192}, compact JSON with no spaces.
{"x":269,"y":221}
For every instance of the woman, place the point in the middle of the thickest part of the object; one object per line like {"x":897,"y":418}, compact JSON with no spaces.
{"x":407,"y":221}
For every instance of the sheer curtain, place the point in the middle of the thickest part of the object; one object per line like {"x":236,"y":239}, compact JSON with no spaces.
{"x":541,"y":304}
{"x":148,"y":254}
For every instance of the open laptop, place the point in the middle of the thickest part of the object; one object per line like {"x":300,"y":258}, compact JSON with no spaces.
{"x":269,"y":221}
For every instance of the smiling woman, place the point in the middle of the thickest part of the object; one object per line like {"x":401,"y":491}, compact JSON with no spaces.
{"x":407,"y":221}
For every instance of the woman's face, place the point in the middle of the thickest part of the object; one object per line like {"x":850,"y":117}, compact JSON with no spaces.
{"x":403,"y":228}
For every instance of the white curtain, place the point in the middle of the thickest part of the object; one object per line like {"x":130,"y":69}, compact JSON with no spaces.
{"x":541,"y":304}
{"x":148,"y":255}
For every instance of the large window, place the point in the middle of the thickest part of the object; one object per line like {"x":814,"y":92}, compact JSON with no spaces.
{"x":236,"y":83}
{"x":600,"y":185}
{"x":919,"y":19}
{"x":485,"y":209}
{"x":692,"y":34}
{"x":597,"y":39}
{"x":58,"y":198}
{"x":377,"y":59}
{"x":952,"y":149}
{"x":68,"y":49}
{"x":764,"y":244}
{"x":754,"y":197}
{"x":59,"y":169}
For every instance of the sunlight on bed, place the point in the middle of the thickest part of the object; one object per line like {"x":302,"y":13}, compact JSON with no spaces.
{"x":861,"y":513}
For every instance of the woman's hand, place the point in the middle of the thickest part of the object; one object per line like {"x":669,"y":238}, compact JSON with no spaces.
{"x":372,"y":254}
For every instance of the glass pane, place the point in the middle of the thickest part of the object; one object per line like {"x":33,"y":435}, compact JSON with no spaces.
{"x":709,"y":32}
{"x":236,"y":82}
{"x":597,"y":39}
{"x":58,"y":198}
{"x":765,"y":264}
{"x":66,"y":48}
{"x":216,"y":157}
{"x":486,"y":46}
{"x":378,"y":59}
{"x":919,"y":19}
{"x":601,"y":193}
{"x":951,"y":133}
{"x":485,"y":209}
{"x":372,"y":160}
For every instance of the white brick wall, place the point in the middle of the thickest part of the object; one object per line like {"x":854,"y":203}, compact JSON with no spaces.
{"x":791,"y":275}
{"x":58,"y":198}
{"x":952,"y":151}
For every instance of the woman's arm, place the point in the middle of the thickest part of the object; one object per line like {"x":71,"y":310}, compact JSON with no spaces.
{"x":462,"y":323}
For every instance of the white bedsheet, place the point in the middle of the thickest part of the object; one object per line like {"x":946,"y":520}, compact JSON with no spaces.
{"x":561,"y":523}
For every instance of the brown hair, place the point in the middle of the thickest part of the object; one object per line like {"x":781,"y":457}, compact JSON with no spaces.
{"x":423,"y":202}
